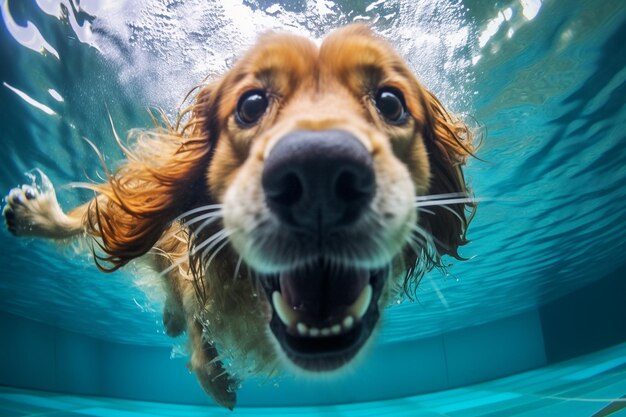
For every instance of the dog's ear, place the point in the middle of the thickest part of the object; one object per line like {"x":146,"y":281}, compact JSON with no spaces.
{"x":162,"y":178}
{"x":449,"y":142}
{"x":204,"y":113}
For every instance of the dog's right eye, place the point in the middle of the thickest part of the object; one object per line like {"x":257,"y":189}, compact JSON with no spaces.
{"x":251,"y":107}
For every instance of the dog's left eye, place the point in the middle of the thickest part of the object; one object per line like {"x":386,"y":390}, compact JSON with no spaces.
{"x":390,"y":103}
{"x":251,"y":107}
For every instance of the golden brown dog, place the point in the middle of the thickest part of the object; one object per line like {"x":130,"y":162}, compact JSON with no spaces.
{"x":305,"y":188}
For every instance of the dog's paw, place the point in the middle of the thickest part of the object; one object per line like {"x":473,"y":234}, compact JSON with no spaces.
{"x":22,"y":211}
{"x":206,"y":364}
{"x":221,"y":386}
{"x":174,"y":323}
{"x":14,"y":211}
{"x":31,"y":210}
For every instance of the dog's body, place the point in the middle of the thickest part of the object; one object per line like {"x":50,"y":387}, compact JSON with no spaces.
{"x":286,"y":212}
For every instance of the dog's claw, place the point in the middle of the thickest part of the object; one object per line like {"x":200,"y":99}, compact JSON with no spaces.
{"x":9,"y":219}
{"x":29,"y":192}
{"x":9,"y":214}
{"x":15,"y":197}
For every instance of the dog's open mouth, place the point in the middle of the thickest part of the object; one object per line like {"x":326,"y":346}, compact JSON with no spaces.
{"x":322,"y":313}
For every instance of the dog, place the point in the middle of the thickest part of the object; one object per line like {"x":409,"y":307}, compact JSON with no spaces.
{"x":298,"y":195}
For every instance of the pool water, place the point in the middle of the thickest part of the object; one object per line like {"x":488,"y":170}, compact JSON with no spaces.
{"x":539,"y":302}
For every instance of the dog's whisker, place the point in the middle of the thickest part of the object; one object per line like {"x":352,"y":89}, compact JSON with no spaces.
{"x":205,"y":224}
{"x":212,"y":207}
{"x":237,"y":267}
{"x":426,"y":248}
{"x":423,"y":233}
{"x":194,"y":251}
{"x":467,"y":200}
{"x":216,"y":237}
{"x":217,"y":250}
{"x":212,"y":216}
{"x":423,"y":210}
{"x":430,"y":239}
{"x":209,"y":243}
{"x":416,"y":244}
{"x":172,"y":267}
{"x":383,"y":250}
{"x":431,"y":197}
{"x":457,"y":215}
{"x":371,"y":217}
{"x":420,"y":240}
{"x":197,"y":219}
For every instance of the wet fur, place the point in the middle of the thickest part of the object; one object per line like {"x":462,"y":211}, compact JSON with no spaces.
{"x":210,"y":159}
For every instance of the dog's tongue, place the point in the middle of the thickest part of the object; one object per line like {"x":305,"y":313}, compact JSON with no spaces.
{"x":322,"y":291}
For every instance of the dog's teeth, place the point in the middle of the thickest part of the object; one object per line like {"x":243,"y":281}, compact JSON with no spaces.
{"x":285,"y":313}
{"x":334,"y":330}
{"x":360,"y":306}
{"x":291,"y":319}
{"x":302,"y":329}
{"x":348,"y":322}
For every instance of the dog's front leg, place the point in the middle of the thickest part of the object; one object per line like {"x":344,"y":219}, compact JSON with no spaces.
{"x":209,"y":370}
{"x":35,"y":212}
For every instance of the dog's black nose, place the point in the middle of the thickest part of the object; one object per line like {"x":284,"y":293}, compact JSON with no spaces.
{"x":318,"y":180}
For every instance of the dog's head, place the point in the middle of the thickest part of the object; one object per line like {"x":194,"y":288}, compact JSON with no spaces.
{"x":319,"y":156}
{"x":339,"y":181}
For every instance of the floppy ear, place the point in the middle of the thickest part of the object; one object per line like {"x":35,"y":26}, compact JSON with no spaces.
{"x":449,"y":143}
{"x":162,"y":177}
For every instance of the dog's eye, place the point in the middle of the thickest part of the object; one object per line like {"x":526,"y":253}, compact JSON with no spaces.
{"x":390,"y":104}
{"x":251,"y":107}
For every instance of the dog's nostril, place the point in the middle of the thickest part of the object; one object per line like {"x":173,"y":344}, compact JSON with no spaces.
{"x":287,"y":191}
{"x":352,"y":187}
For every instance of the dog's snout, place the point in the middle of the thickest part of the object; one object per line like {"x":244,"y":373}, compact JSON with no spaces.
{"x":318,"y":180}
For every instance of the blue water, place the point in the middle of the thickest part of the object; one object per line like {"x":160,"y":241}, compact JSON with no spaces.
{"x":545,"y":81}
